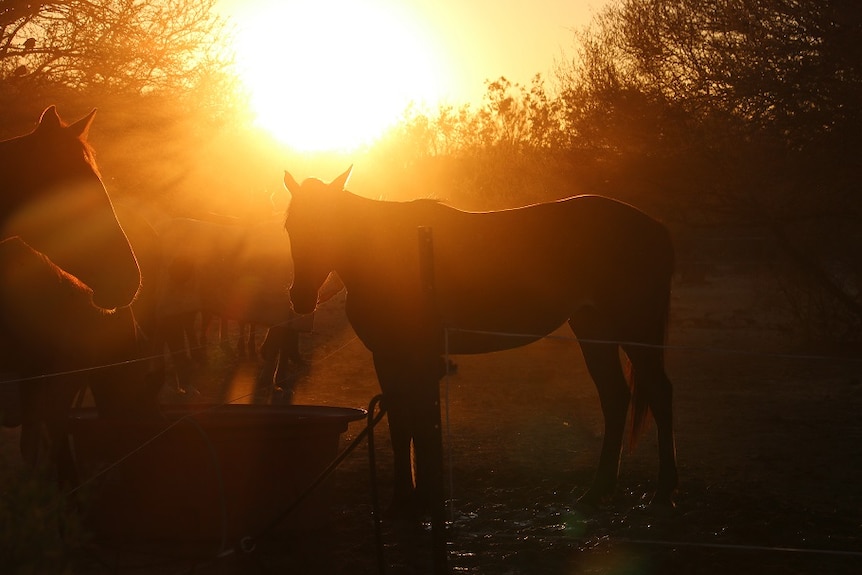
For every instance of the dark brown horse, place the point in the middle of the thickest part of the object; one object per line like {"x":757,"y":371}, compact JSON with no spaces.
{"x":54,"y":211}
{"x":51,"y":196}
{"x":496,"y":280}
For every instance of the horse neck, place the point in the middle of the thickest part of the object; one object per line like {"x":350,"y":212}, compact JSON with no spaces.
{"x":355,"y":221}
{"x":11,"y":197}
{"x":16,"y":172}
{"x":367,"y":235}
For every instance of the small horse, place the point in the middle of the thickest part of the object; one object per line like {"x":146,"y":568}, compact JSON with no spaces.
{"x":52,"y":197}
{"x":493,"y":281}
{"x":241,"y":273}
{"x":58,"y":342}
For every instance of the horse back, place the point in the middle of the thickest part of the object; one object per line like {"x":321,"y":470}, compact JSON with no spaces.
{"x":528,"y":270}
{"x":519,"y":271}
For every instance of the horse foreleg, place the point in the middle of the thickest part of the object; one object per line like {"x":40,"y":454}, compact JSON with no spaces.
{"x":192,"y":338}
{"x":411,"y":395}
{"x":240,"y":340}
{"x":206,"y":319}
{"x":175,"y":340}
{"x":391,"y":376}
{"x":62,"y":393}
{"x":251,"y":344}
{"x":35,"y":411}
{"x":44,"y":441}
{"x":223,"y":334}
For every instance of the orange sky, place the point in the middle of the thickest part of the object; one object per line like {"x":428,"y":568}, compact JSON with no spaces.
{"x":480,"y":39}
{"x":486,"y":39}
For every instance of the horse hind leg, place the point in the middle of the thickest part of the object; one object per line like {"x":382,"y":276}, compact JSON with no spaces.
{"x":604,"y":365}
{"x":653,"y":389}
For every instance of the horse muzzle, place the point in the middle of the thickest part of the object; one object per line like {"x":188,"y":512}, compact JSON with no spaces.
{"x":303,"y":302}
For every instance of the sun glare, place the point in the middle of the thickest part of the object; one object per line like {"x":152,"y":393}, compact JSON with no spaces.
{"x":327,"y":75}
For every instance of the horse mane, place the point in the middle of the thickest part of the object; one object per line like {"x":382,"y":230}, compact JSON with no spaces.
{"x":90,"y":156}
{"x":428,"y":201}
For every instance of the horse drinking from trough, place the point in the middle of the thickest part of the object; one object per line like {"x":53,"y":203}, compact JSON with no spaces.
{"x":236,"y":270}
{"x":501,"y":279}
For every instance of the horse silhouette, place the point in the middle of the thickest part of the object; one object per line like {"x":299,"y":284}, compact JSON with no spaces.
{"x":244,"y":272}
{"x":492,"y":281}
{"x":57,"y":342}
{"x":226,"y":269}
{"x":59,"y":229}
{"x":52,"y":197}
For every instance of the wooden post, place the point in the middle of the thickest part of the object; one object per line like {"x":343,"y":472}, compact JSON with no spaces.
{"x":435,"y":441}
{"x":426,"y":265}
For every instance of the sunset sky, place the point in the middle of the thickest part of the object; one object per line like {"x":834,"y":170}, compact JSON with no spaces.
{"x":334,"y":73}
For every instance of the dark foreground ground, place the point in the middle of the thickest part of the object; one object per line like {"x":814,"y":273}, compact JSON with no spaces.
{"x":769,"y":444}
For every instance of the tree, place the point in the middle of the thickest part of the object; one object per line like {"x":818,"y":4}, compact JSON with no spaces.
{"x":789,"y":69}
{"x":112,"y":46}
{"x":160,"y":72}
{"x":499,"y":154}
{"x":756,"y":101}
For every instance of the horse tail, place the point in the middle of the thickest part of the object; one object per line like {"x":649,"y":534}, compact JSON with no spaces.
{"x":651,"y":351}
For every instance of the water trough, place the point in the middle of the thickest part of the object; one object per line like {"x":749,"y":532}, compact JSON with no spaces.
{"x":207,"y":473}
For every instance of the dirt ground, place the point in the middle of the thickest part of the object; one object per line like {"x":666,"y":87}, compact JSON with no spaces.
{"x":769,"y":444}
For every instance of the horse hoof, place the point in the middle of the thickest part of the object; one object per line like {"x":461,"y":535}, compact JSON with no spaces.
{"x":662,"y":504}
{"x":407,"y":509}
{"x":400,"y":513}
{"x":593,"y":499}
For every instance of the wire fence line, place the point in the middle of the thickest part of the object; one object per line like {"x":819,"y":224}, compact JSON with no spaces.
{"x":447,"y":332}
{"x":715,"y":350}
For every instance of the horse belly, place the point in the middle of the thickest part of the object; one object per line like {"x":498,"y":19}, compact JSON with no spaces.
{"x":502,"y":316}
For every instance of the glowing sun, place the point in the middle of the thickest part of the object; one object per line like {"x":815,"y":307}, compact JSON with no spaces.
{"x":334,"y":74}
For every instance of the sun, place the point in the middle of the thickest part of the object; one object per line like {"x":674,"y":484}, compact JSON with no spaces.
{"x":332,"y":75}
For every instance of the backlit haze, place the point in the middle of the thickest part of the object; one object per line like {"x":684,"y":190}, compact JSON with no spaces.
{"x":332,"y":75}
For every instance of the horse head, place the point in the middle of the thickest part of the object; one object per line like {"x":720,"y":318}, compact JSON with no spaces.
{"x":52,"y":197}
{"x":311,"y":223}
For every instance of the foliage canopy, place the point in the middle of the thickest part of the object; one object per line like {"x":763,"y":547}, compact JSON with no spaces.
{"x":98,"y":47}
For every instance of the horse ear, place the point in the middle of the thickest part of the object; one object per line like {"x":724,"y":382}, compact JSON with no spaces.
{"x":82,"y":126}
{"x":50,"y":119}
{"x":290,"y":183}
{"x":341,"y":180}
